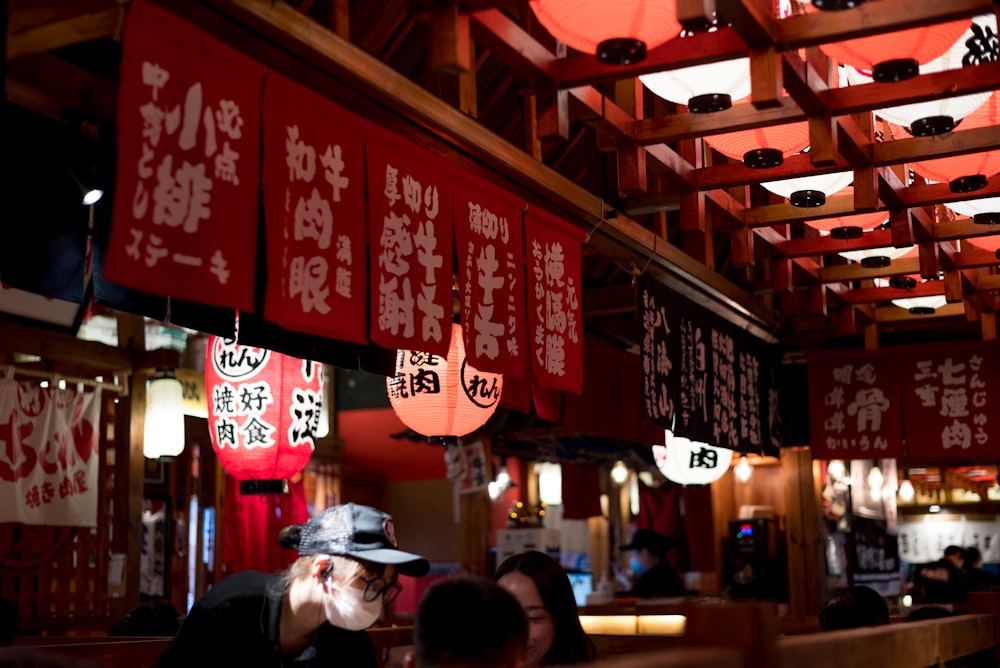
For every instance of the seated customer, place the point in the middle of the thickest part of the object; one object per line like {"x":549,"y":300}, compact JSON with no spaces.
{"x":853,"y":608}
{"x":542,"y":587}
{"x":468,"y":621}
{"x":655,"y":576}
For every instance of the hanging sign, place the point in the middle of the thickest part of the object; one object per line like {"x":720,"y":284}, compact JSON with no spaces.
{"x":490,"y":247}
{"x":555,"y":318}
{"x":659,"y":352}
{"x":49,"y":456}
{"x":314,"y":200}
{"x":410,"y":245}
{"x":185,"y":212}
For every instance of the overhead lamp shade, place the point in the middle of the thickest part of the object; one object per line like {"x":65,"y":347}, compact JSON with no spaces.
{"x":263,"y":412}
{"x":976,"y":207}
{"x":703,"y":88}
{"x":619,"y":32}
{"x":762,"y":147}
{"x":866,"y":256}
{"x":862,"y":221}
{"x":990,"y":242}
{"x":810,"y":191}
{"x":921,"y":305}
{"x":689,"y":462}
{"x":437,"y":396}
{"x":896,"y":55}
{"x":163,"y":429}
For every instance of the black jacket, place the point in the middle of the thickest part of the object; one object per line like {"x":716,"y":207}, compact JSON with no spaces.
{"x":660,"y":580}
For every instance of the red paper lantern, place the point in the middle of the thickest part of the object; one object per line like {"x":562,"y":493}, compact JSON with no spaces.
{"x":761,"y":148}
{"x":435,"y":396}
{"x":263,"y":410}
{"x":619,"y":32}
{"x":896,"y":56}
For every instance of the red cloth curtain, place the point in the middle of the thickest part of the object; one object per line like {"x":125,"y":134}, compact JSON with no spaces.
{"x":251,"y":524}
{"x":581,"y":491}
{"x":684,"y":513}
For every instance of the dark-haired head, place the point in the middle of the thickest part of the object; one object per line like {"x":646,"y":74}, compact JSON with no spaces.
{"x":928,"y":612}
{"x":469,"y":621}
{"x":972,"y":557}
{"x":853,"y":608}
{"x":570,"y":644}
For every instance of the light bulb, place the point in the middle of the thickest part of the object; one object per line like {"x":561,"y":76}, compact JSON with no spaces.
{"x":503,"y":477}
{"x":743,"y":471}
{"x":836,"y":470}
{"x":906,"y":492}
{"x":619,"y":474}
{"x":875,"y":479}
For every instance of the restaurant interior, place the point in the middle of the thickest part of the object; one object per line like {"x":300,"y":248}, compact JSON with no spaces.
{"x":778,"y":330}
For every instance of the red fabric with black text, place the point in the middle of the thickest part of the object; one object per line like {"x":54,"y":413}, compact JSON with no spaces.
{"x":581,"y":491}
{"x":489,"y":243}
{"x":555,"y":319}
{"x":314,"y":202}
{"x":410,"y":245}
{"x":251,"y":523}
{"x":185,"y":211}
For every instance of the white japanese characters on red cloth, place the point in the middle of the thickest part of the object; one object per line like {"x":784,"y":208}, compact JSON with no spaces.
{"x":854,"y":406}
{"x":948,"y":398}
{"x":314,"y":202}
{"x":49,"y":457}
{"x":555,"y":322}
{"x":410,"y":245}
{"x":263,"y":409}
{"x":489,"y":242}
{"x":185,"y":211}
{"x":688,"y":462}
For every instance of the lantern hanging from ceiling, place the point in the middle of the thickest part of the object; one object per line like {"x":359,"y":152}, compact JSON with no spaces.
{"x":618,"y":33}
{"x":896,"y":56}
{"x":703,"y":88}
{"x":163,"y":427}
{"x":875,"y":258}
{"x":762,"y":148}
{"x":984,"y":211}
{"x":849,"y":226}
{"x":938,"y":116}
{"x":810,"y":191}
{"x":989,"y":242}
{"x":263,"y":413}
{"x":438,"y":396}
{"x":924,"y":304}
{"x":688,"y":462}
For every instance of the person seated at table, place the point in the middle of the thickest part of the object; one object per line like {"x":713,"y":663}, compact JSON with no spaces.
{"x":853,"y":608}
{"x":468,"y":621}
{"x":555,"y":635}
{"x":655,"y":577}
{"x":941,"y":581}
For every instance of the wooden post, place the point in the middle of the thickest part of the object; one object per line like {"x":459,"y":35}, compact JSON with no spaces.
{"x":475,"y":521}
{"x":802,"y":533}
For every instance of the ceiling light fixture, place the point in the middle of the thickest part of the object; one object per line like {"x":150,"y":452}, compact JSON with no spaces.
{"x":810,"y":191}
{"x":762,"y":148}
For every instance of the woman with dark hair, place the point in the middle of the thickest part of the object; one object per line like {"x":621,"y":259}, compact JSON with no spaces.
{"x":542,"y":587}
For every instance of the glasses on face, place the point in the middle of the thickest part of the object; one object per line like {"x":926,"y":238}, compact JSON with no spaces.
{"x":375,"y":587}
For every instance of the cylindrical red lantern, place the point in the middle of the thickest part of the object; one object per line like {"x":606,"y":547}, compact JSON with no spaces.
{"x":263,"y":410}
{"x":619,"y":32}
{"x":437,"y":396}
{"x":762,"y":148}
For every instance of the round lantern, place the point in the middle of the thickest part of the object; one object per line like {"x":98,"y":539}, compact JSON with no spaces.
{"x":919,"y":305}
{"x":762,"y":148}
{"x":703,"y":88}
{"x":875,"y":258}
{"x":163,"y":427}
{"x":850,"y":226}
{"x":263,"y":413}
{"x":810,"y":191}
{"x":896,"y":56}
{"x":437,"y":396}
{"x":619,"y":33}
{"x":985,"y":211}
{"x":688,"y":462}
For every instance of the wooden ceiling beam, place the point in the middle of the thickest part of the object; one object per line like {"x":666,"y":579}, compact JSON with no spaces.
{"x":868,"y":295}
{"x":846,"y":273}
{"x":59,"y":33}
{"x":49,"y":85}
{"x":529,"y":61}
{"x":608,"y":300}
{"x":689,"y":125}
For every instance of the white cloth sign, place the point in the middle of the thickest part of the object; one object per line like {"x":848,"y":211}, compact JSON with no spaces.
{"x":926,"y":540}
{"x":48,"y":455}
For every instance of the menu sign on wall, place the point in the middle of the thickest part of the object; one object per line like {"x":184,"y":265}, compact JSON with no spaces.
{"x":854,"y":406}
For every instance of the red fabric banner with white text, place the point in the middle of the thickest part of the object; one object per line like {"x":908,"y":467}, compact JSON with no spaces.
{"x":314,"y":205}
{"x":489,"y":242}
{"x":555,"y":319}
{"x":185,"y":211}
{"x":48,"y":455}
{"x":409,"y":227}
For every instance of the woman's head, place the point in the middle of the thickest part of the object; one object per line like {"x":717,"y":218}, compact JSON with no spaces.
{"x":542,"y":587}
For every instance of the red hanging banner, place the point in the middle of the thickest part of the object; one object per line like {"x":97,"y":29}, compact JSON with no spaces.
{"x":854,"y":406}
{"x":946,"y":402}
{"x":314,"y":202}
{"x":185,"y":212}
{"x":409,"y":228}
{"x":554,"y":316}
{"x":490,"y":245}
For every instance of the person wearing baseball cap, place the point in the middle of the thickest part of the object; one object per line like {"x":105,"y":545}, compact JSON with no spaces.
{"x":655,"y":577}
{"x":316,"y":612}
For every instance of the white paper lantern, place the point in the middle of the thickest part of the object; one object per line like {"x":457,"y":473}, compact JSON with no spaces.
{"x":688,"y":462}
{"x":163,"y":431}
{"x":810,"y":191}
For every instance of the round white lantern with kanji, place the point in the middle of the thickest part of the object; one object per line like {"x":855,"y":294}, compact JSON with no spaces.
{"x":688,"y":462}
{"x":438,"y":396}
{"x":263,"y":412}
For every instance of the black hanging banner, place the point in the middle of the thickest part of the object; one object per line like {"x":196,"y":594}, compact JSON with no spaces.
{"x":660,"y":346}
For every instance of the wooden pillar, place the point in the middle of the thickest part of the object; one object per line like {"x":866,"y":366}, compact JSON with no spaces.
{"x":475,"y":521}
{"x":802,"y":535}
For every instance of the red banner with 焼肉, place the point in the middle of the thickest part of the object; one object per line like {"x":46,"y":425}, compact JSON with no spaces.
{"x":185,"y":211}
{"x":314,"y":205}
{"x":555,"y":323}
